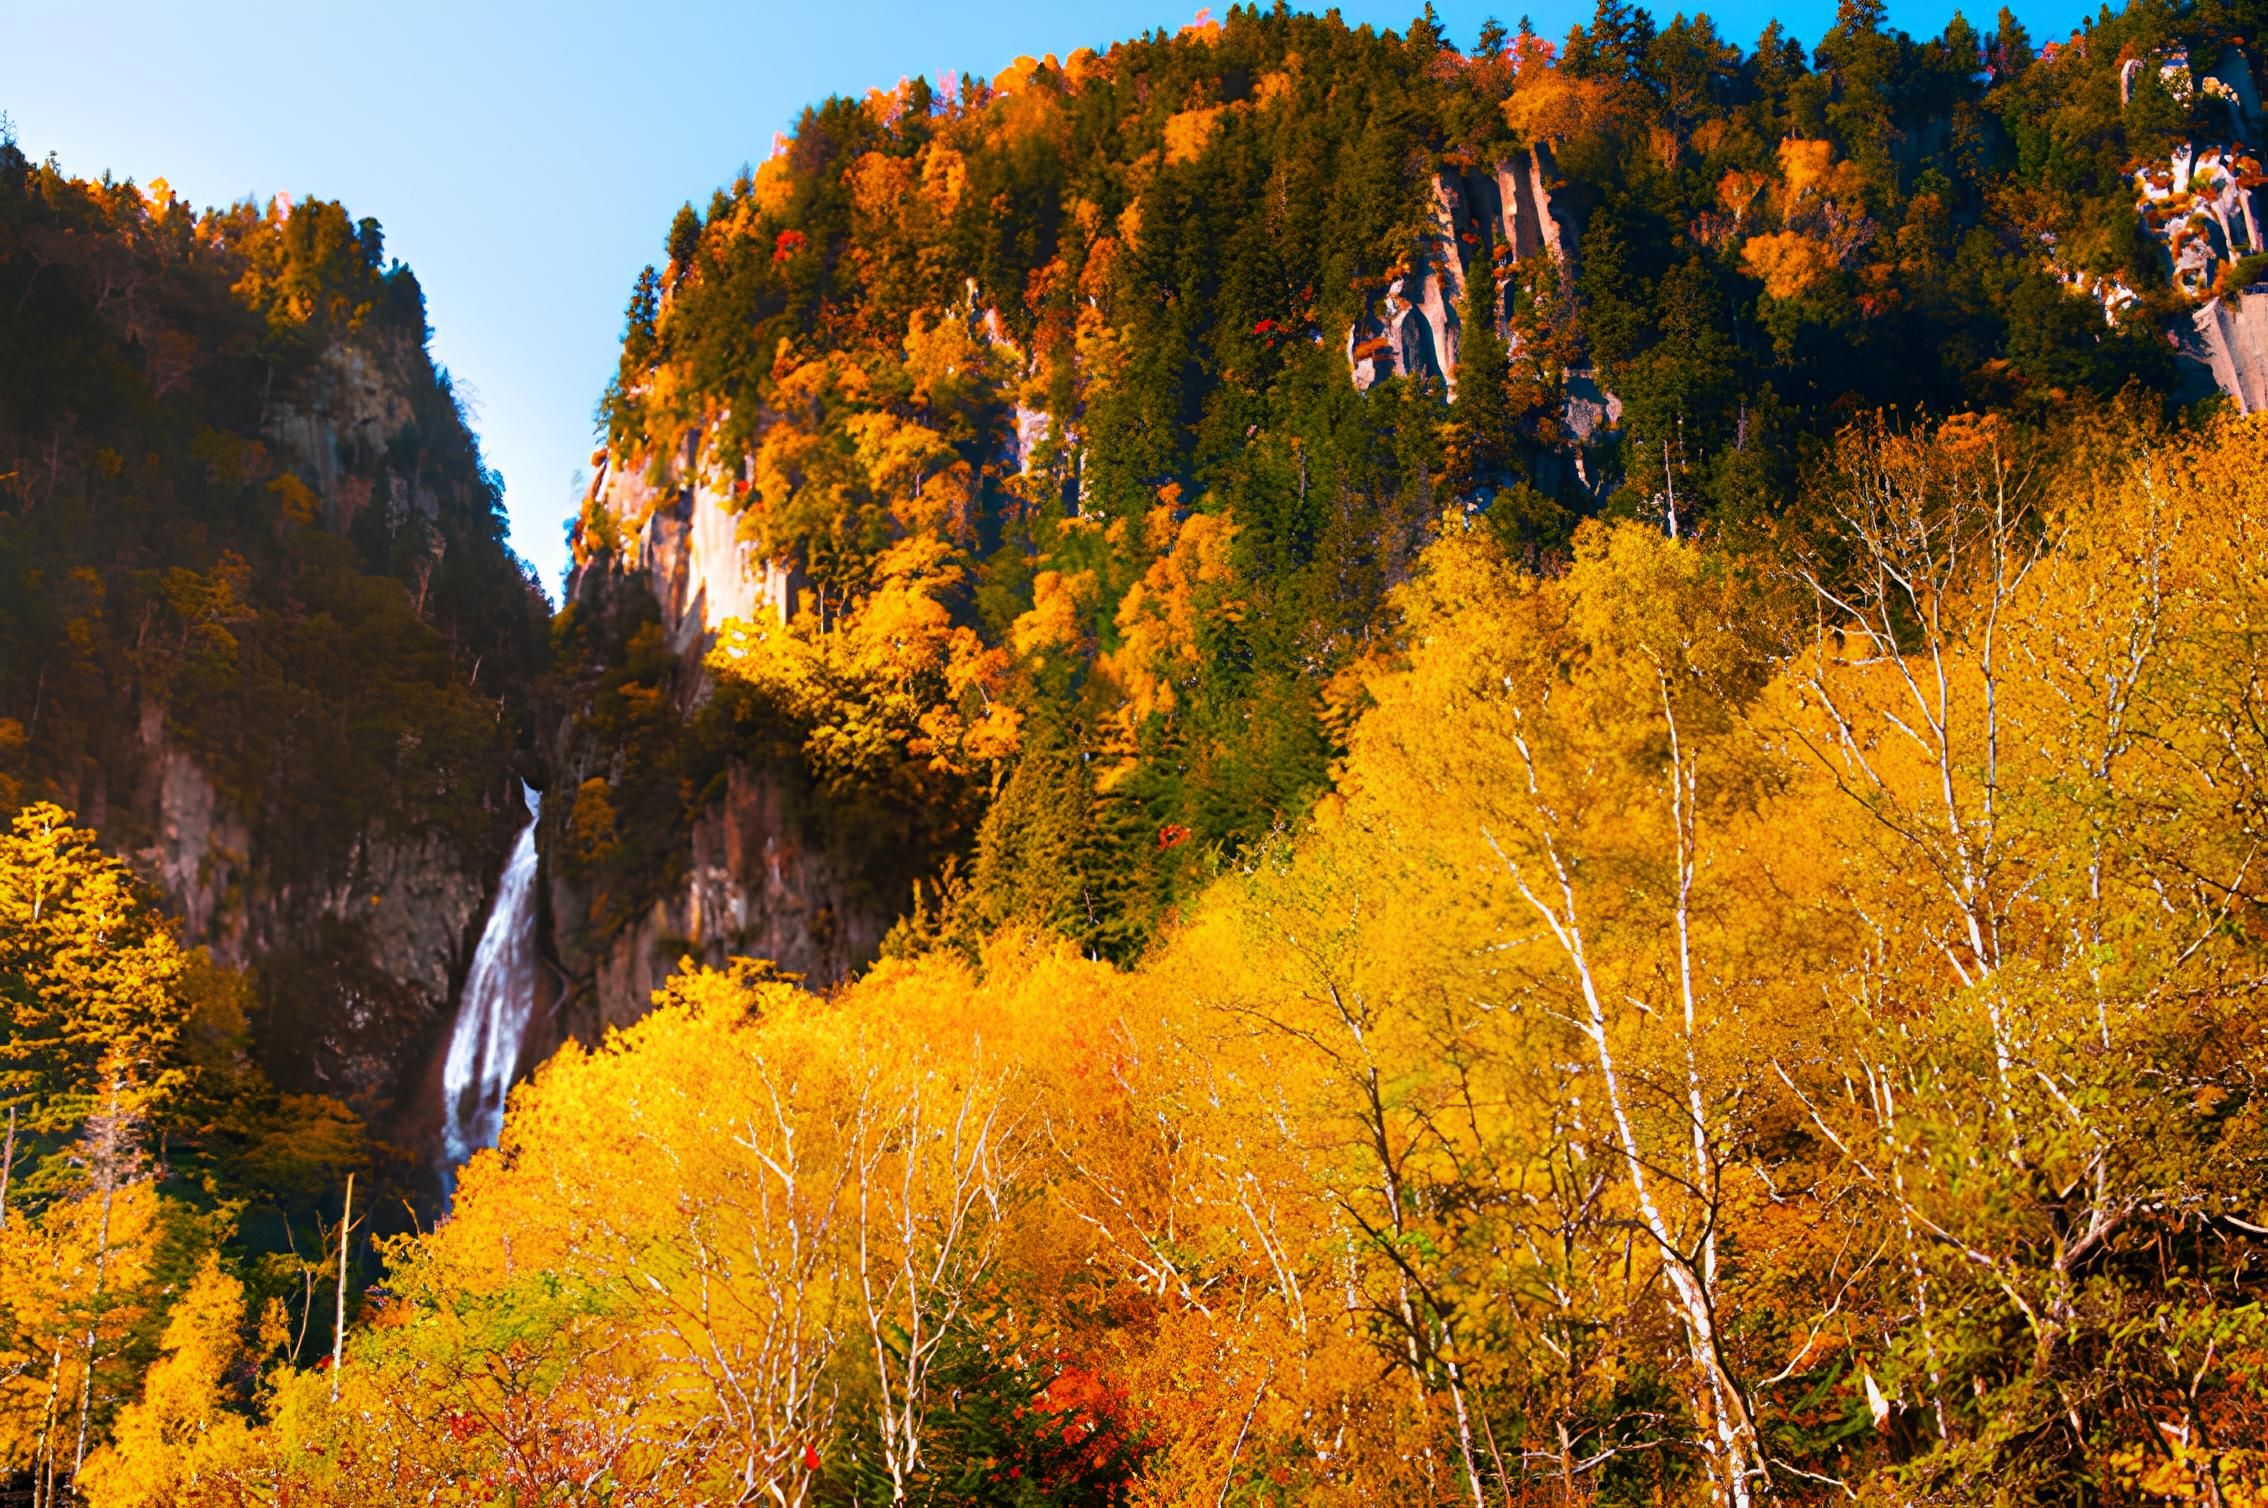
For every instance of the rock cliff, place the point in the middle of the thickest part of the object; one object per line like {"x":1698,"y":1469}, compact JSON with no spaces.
{"x":2199,"y":207}
{"x":2229,"y":341}
{"x":1478,"y":222}
{"x":360,"y":942}
{"x":1409,"y":325}
{"x":753,"y":863}
{"x":258,"y":623}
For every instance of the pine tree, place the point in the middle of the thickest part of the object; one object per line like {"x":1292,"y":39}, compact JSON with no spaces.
{"x":639,"y":344}
{"x":1482,"y":444}
{"x":684,"y":241}
{"x":1039,"y":851}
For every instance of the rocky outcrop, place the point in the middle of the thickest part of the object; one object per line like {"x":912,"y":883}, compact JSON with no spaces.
{"x":201,"y":848}
{"x":1481,"y":224}
{"x":2201,"y":207}
{"x":358,"y":959}
{"x":683,"y":536}
{"x":359,"y":935}
{"x":1410,"y":325}
{"x":336,"y":423}
{"x":2229,"y":342}
{"x":364,"y":968}
{"x":765,"y":868}
{"x":1531,"y":225}
{"x":760,"y":881}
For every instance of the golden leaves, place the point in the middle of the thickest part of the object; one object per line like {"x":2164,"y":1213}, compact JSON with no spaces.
{"x":1790,"y":263}
{"x":1057,"y":617}
{"x":295,"y":500}
{"x":892,"y":690}
{"x":181,"y":1427}
{"x":944,"y":177}
{"x":1738,"y":190}
{"x":1548,"y":104}
{"x":1820,"y":205}
{"x":1187,"y":132}
{"x":1804,"y":166}
{"x":1158,"y":618}
{"x":1636,"y":822}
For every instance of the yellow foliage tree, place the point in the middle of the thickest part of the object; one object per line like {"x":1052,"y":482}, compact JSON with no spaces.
{"x":179,"y":1433}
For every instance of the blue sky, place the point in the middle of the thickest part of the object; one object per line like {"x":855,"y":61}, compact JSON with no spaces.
{"x":525,"y":158}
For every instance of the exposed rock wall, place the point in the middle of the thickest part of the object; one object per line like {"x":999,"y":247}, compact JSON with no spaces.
{"x":1410,"y":326}
{"x":360,"y":958}
{"x":683,"y":536}
{"x":2230,"y":342}
{"x":764,"y":869}
{"x":1478,"y":224}
{"x":338,"y":420}
{"x":2203,"y":207}
{"x":359,"y":941}
{"x":758,"y":883}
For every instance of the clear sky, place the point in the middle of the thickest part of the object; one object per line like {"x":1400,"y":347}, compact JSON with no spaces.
{"x":525,"y":158}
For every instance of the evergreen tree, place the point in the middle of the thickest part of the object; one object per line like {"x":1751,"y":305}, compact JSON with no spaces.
{"x":1482,"y":445}
{"x":684,"y":240}
{"x":639,"y":345}
{"x":1039,"y":855}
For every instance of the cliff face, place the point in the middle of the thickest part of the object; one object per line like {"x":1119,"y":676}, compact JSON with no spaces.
{"x":1481,"y":223}
{"x":2199,"y":207}
{"x":685,"y":548}
{"x":757,"y":864}
{"x":2229,"y":341}
{"x":258,"y":624}
{"x":759,"y":880}
{"x":362,"y":943}
{"x":1478,"y":220}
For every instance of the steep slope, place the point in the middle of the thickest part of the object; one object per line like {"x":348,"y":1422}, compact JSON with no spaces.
{"x":1003,"y":484}
{"x":258,"y":623}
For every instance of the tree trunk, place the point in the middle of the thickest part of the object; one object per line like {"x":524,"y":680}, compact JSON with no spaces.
{"x":7,"y":1166}
{"x":43,"y":1460}
{"x":338,"y":1335}
{"x":108,"y":1154}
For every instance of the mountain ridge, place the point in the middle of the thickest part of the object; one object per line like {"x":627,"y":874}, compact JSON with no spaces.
{"x":1029,"y":325}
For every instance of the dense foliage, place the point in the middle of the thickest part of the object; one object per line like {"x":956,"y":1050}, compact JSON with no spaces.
{"x":142,"y":1147}
{"x":1482,"y":947}
{"x":1740,"y":1029}
{"x":253,"y":579}
{"x":152,"y":538}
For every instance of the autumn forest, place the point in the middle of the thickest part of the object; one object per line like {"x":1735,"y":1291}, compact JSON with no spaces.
{"x":1296,"y":765}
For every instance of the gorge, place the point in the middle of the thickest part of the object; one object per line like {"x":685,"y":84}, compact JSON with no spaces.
{"x":1293,"y":764}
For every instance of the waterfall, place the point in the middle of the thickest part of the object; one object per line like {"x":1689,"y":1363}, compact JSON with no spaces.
{"x":492,"y":1018}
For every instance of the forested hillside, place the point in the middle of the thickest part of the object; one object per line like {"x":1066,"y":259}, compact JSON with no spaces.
{"x":1740,"y":1029}
{"x":258,"y":623}
{"x":1292,"y":765}
{"x":1058,"y":439}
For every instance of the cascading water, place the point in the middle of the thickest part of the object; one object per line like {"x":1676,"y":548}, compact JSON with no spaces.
{"x":492,"y":1019}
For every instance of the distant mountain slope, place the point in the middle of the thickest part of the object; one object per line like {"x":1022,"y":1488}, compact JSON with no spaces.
{"x":1057,"y":437}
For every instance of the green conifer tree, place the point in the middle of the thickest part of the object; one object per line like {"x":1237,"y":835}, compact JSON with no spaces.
{"x":684,"y":241}
{"x":1482,"y":444}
